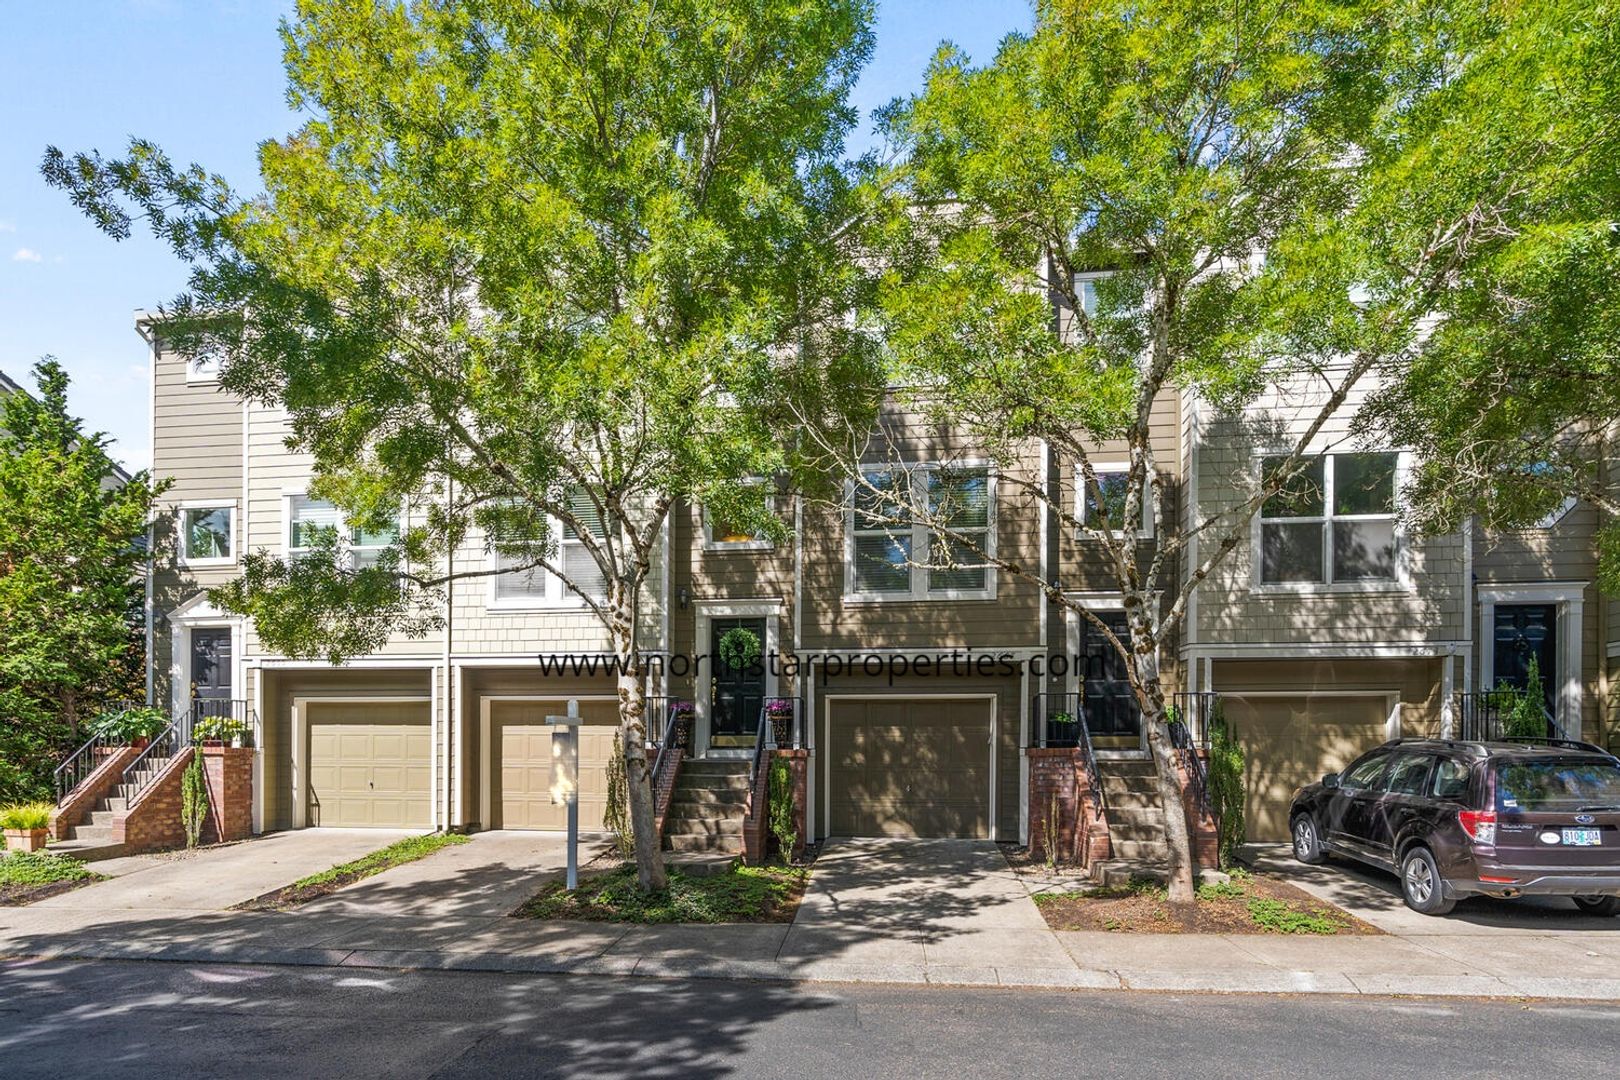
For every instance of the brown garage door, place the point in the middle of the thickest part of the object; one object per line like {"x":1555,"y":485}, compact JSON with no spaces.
{"x":910,"y":767}
{"x":522,"y":769}
{"x":369,"y":765}
{"x":1289,"y":742}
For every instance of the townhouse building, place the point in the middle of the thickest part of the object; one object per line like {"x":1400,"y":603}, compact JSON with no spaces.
{"x":917,"y":693}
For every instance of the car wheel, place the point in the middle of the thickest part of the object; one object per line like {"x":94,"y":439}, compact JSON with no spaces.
{"x":1598,"y":905}
{"x":1420,"y":883}
{"x":1307,"y":845}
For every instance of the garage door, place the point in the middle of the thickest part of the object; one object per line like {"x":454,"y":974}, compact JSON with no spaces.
{"x":1289,"y":742}
{"x":909,"y":767}
{"x":521,"y":772}
{"x":369,"y":765}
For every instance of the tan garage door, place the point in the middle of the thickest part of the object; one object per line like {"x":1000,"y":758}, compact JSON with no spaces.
{"x":521,"y":774}
{"x":369,"y":764}
{"x":1289,"y":742}
{"x":910,"y":767}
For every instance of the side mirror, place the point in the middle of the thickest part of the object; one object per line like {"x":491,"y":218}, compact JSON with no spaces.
{"x":1330,"y":780}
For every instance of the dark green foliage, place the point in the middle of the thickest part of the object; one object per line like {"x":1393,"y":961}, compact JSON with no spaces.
{"x":784,"y":823}
{"x":70,"y":573}
{"x":1226,"y":784}
{"x":193,"y":799}
{"x":741,"y":894}
{"x":126,"y":725}
{"x":40,"y":868}
{"x":1525,"y":715}
{"x":616,"y":812}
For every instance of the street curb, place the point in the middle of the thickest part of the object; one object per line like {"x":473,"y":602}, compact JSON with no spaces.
{"x":832,"y":972}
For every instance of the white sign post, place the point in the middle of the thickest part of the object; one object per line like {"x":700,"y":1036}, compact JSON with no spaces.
{"x":565,"y":779}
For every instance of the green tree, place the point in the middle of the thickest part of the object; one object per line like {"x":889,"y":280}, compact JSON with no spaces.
{"x":1511,"y":403}
{"x":535,"y":268}
{"x":1228,"y":200}
{"x":71,"y":553}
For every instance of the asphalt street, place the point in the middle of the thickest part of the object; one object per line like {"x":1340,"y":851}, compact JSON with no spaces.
{"x":109,"y":1018}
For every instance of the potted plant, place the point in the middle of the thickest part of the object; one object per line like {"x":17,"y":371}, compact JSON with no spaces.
{"x":133,"y":727}
{"x":26,"y":825}
{"x":220,"y":730}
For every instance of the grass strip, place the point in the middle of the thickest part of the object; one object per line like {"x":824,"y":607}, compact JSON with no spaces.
{"x":329,"y":881}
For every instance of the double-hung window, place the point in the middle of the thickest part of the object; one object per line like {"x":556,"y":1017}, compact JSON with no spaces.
{"x":308,"y":517}
{"x":721,"y":534}
{"x":207,"y":535}
{"x":1333,"y":521}
{"x":532,"y":586}
{"x":1113,"y":480}
{"x":891,"y":554}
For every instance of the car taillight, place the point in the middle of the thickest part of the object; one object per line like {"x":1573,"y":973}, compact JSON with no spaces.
{"x":1480,"y":825}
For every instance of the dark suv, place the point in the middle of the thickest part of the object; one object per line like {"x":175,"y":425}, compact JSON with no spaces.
{"x":1454,"y":819}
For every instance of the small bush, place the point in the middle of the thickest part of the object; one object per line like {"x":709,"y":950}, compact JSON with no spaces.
{"x":1278,"y":917}
{"x":616,"y":813}
{"x":26,"y":816}
{"x":1525,"y":716}
{"x":127,"y":725}
{"x":782,"y":819}
{"x":193,"y":800}
{"x":40,"y":868}
{"x":1226,"y":785}
{"x":741,"y":894}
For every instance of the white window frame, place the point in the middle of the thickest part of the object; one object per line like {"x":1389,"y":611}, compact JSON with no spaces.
{"x":1084,"y":278}
{"x":920,"y":535}
{"x":185,"y":556}
{"x":202,"y":371}
{"x":1400,"y":581}
{"x":345,"y":530}
{"x":1150,"y":509}
{"x":758,"y":543}
{"x":557,"y":596}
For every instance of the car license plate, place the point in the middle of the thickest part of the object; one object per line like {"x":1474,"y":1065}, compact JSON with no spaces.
{"x":1583,"y":837}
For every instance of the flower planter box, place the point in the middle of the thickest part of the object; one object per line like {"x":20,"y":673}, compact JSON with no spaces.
{"x":26,"y":839}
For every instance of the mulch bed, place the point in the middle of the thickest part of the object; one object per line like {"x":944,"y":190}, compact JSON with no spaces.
{"x":1142,"y":909}
{"x":19,"y":895}
{"x":740,"y":895}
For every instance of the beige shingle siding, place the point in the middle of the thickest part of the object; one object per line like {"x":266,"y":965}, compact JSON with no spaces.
{"x":1232,"y":611}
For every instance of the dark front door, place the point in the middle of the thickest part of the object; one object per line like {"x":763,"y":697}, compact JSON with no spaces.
{"x":735,"y":694}
{"x":1526,"y":632}
{"x":1112,"y":713}
{"x":211,"y":664}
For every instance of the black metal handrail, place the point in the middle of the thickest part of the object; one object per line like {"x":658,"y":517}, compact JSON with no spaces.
{"x":1189,"y":716}
{"x":772,"y":718}
{"x":673,"y":725}
{"x":78,"y":766}
{"x":164,"y":745}
{"x":1088,"y":761}
{"x":1044,"y":708}
{"x":1480,"y":715}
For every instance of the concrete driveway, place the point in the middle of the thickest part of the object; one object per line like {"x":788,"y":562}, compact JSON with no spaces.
{"x":951,"y":908}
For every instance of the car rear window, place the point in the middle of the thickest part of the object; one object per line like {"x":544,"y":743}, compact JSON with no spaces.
{"x":1557,"y":785}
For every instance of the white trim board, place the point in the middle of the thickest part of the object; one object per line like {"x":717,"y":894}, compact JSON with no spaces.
{"x":994,"y":700}
{"x":706,"y":612}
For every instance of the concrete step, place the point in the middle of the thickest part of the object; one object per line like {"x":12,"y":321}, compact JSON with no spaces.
{"x":86,"y":850}
{"x":113,"y":802}
{"x":709,"y":796}
{"x":699,"y":863}
{"x":1117,"y":873}
{"x":1131,"y":800}
{"x":730,"y":844}
{"x":1141,"y":851}
{"x":1129,"y":816}
{"x":704,"y":808}
{"x":703,"y":826}
{"x":101,"y":834}
{"x":99,"y":817}
{"x":716,"y":767}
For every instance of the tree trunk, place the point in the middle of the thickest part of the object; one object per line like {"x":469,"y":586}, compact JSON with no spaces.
{"x":638,"y":781}
{"x":1150,"y":696}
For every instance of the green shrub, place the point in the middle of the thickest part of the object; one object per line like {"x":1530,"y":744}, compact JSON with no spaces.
{"x":223,"y":728}
{"x":1226,"y":784}
{"x":127,"y":725}
{"x":1278,"y":917}
{"x":193,"y":800}
{"x":40,"y":868}
{"x":1526,"y":713}
{"x":27,"y":816}
{"x":783,"y":820}
{"x":616,"y":813}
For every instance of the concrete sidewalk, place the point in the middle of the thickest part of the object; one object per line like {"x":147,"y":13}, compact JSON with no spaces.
{"x":935,"y":912}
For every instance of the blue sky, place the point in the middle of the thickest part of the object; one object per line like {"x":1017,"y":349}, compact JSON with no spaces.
{"x":204,"y":81}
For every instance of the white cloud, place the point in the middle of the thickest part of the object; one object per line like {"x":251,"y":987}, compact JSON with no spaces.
{"x":27,"y":255}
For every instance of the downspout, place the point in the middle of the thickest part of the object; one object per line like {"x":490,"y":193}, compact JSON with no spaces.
{"x":142,"y":327}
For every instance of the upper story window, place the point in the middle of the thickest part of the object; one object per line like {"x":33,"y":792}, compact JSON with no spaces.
{"x":308,"y":516}
{"x":722,"y":535}
{"x":1333,"y":522}
{"x":1113,"y":480}
{"x":207,"y":534}
{"x":533,"y":586}
{"x":201,"y":371}
{"x":890,"y":555}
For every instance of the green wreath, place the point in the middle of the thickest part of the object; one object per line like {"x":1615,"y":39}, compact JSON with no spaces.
{"x":740,"y":648}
